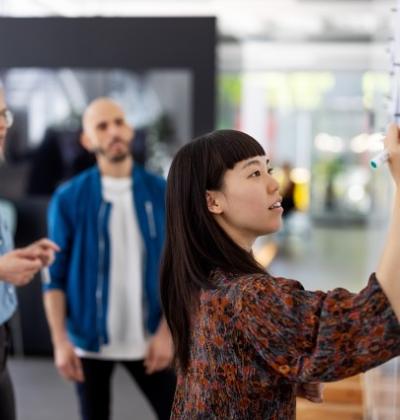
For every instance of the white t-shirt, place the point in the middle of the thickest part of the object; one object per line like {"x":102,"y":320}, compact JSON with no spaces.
{"x":127,"y":339}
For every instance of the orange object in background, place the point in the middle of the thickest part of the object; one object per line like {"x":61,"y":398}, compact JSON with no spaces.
{"x":342,"y":399}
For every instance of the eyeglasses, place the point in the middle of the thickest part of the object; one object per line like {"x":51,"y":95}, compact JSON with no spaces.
{"x":8,"y":117}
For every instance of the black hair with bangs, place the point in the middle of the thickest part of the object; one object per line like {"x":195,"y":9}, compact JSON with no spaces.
{"x":195,"y":243}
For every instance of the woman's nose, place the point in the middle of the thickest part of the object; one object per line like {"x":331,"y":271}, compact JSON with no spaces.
{"x":272,"y":185}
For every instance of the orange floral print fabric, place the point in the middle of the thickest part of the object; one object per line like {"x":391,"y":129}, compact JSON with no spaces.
{"x":255,"y":337}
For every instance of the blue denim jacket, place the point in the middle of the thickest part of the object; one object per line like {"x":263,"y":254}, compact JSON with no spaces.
{"x":78,"y":222}
{"x":8,"y":297}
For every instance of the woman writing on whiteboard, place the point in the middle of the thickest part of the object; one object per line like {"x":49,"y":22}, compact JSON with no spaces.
{"x":245,"y":340}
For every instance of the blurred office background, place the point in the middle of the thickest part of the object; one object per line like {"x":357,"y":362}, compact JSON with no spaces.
{"x":308,"y":78}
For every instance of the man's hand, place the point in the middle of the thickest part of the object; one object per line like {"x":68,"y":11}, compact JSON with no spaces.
{"x":19,"y":266}
{"x":161,"y":350}
{"x":311,"y":392}
{"x":67,"y":362}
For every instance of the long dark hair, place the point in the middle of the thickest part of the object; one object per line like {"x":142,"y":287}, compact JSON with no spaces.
{"x":195,"y":243}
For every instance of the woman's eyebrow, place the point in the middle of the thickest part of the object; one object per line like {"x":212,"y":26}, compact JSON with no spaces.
{"x":254,"y":162}
{"x":251,"y":162}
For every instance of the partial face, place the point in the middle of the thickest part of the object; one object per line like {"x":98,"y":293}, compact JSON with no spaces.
{"x":106,"y":131}
{"x":3,"y":125}
{"x":249,"y":204}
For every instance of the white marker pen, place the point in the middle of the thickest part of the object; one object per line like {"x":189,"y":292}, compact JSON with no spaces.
{"x":45,"y":275}
{"x":379,"y":159}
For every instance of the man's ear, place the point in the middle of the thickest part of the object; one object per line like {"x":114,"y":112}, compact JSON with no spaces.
{"x":213,"y":202}
{"x":85,"y":142}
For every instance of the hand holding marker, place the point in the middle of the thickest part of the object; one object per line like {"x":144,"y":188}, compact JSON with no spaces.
{"x":383,"y":156}
{"x":379,"y":159}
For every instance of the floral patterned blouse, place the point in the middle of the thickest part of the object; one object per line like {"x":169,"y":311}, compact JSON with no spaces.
{"x":255,"y":337}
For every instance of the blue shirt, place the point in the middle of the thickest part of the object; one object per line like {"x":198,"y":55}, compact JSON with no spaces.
{"x":8,"y":297}
{"x":78,"y":224}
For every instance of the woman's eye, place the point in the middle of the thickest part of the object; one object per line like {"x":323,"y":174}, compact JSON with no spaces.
{"x":270,"y":171}
{"x":256,"y":173}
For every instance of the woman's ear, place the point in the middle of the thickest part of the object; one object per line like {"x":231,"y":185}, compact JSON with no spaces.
{"x":213,"y":202}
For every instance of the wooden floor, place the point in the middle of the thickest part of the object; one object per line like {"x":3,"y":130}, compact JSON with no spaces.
{"x":343,"y":400}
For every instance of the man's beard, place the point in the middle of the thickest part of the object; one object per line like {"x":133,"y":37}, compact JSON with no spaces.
{"x":119,"y":158}
{"x":114,"y":159}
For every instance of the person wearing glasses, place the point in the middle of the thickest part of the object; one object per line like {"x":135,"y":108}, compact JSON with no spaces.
{"x":17,"y":268}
